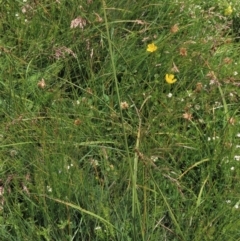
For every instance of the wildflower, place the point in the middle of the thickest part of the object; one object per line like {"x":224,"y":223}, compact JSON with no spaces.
{"x":170,"y":78}
{"x":232,"y":121}
{"x":169,"y":95}
{"x":227,"y":60}
{"x":13,"y":153}
{"x":154,"y":158}
{"x":124,"y":105}
{"x":237,"y":158}
{"x":94,"y":162}
{"x":228,"y":11}
{"x":174,"y":28}
{"x":81,"y":22}
{"x":61,"y":51}
{"x":41,"y":84}
{"x":69,"y":166}
{"x":199,"y":87}
{"x":235,"y":73}
{"x":211,"y":75}
{"x":183,"y":51}
{"x":187,"y":116}
{"x":98,"y":228}
{"x":77,"y":122}
{"x":151,"y":48}
{"x":49,"y":189}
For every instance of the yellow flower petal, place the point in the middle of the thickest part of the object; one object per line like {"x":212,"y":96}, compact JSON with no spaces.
{"x":170,"y":78}
{"x":228,"y":11}
{"x":151,"y":48}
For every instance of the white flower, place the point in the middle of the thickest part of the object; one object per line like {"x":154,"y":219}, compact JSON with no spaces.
{"x":237,"y":158}
{"x":235,"y":73}
{"x":197,"y":107}
{"x":154,"y":158}
{"x":68,"y":167}
{"x":232,"y":168}
{"x":98,"y":228}
{"x":169,"y":95}
{"x":49,"y":189}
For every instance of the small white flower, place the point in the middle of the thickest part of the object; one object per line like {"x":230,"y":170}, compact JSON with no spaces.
{"x":154,"y":158}
{"x":69,"y":166}
{"x":212,"y":82}
{"x":232,"y":168}
{"x":238,"y":134}
{"x":197,"y":107}
{"x":236,"y":206}
{"x":235,"y":73}
{"x":94,"y":162}
{"x":217,"y":104}
{"x":98,"y":228}
{"x":49,"y":189}
{"x":228,"y":201}
{"x":169,"y":95}
{"x":13,"y":153}
{"x":237,"y":158}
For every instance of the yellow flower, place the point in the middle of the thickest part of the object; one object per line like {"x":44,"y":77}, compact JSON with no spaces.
{"x":228,"y":11}
{"x":151,"y":48}
{"x":170,"y":78}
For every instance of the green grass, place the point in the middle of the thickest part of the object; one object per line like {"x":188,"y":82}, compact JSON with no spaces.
{"x":95,"y":144}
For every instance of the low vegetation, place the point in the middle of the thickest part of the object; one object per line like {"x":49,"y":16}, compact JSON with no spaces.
{"x":119,"y":120}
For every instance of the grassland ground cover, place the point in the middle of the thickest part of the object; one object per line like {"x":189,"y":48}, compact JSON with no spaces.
{"x":119,"y":120}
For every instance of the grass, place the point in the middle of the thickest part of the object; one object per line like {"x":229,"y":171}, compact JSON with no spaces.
{"x":95,"y":144}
